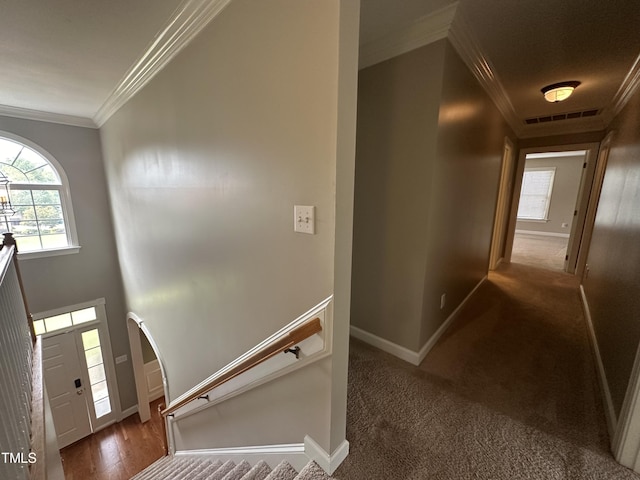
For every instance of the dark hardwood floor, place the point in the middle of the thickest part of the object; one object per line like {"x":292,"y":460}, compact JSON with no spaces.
{"x":117,"y":452}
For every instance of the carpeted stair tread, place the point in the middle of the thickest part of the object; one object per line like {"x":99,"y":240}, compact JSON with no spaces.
{"x":197,"y":473}
{"x":210,"y":470}
{"x":312,"y":471}
{"x":238,"y":472}
{"x":169,"y":470}
{"x":185,"y":468}
{"x":223,"y":470}
{"x":155,"y":467}
{"x":283,"y":471}
{"x":194,"y":467}
{"x":260,"y":471}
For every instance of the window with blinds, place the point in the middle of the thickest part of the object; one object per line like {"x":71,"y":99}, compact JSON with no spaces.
{"x":535,"y":196}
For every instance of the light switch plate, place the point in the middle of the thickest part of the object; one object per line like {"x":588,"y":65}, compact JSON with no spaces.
{"x":121,"y":359}
{"x":304,"y":219}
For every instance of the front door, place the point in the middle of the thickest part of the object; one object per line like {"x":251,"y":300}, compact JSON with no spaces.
{"x":66,"y":387}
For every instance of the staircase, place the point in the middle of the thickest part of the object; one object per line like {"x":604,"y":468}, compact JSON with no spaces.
{"x":192,"y":467}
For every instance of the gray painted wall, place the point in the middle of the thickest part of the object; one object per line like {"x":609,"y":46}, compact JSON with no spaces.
{"x":398,"y":104}
{"x":205,"y":165}
{"x":464,"y":192}
{"x":55,"y":282}
{"x":613,"y":280}
{"x":563,"y":197}
{"x":429,"y":150}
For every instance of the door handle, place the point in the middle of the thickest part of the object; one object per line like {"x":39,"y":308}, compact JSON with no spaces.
{"x":77,"y":383}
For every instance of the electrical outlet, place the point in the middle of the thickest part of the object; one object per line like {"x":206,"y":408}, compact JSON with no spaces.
{"x":304,"y":219}
{"x":443,"y":300}
{"x":565,"y":225}
{"x":121,"y":359}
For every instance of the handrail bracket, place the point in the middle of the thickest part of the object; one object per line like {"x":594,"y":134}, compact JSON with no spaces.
{"x":295,"y":351}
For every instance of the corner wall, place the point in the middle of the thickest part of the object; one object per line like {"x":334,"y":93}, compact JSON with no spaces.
{"x":59,"y":281}
{"x":398,"y":102}
{"x":428,"y":157}
{"x":205,"y":165}
{"x":464,"y":192}
{"x":612,"y":281}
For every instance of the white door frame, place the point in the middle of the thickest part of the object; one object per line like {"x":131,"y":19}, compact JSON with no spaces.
{"x":582,"y":203}
{"x":592,"y":208}
{"x":498,"y":241}
{"x":105,"y":343}
{"x":134,"y":325}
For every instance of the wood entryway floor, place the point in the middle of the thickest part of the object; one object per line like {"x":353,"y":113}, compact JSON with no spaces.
{"x":117,"y":452}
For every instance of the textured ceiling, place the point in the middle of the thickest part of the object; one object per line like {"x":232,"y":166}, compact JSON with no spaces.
{"x":533,"y":43}
{"x":67,"y":56}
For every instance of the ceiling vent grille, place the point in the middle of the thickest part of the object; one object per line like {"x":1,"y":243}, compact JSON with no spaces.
{"x":561,"y":116}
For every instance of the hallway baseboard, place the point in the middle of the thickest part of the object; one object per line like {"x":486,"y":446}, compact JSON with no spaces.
{"x":609,"y":410}
{"x":413,"y":357}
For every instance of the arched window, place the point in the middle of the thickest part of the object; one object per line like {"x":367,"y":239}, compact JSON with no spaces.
{"x":43,"y":218}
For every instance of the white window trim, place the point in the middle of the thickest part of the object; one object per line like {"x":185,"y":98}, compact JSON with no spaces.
{"x":65,"y":201}
{"x":69,"y":308}
{"x":545,"y":219}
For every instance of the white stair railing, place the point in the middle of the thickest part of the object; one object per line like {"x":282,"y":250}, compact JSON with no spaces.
{"x":16,"y":361}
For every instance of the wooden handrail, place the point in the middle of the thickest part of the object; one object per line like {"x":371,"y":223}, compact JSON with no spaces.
{"x":287,"y":341}
{"x":163,"y":421}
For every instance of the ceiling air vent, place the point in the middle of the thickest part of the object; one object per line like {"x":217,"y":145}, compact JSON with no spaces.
{"x":561,"y":116}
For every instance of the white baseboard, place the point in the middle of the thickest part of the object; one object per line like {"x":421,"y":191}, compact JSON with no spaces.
{"x":404,"y":353}
{"x":609,"y":410}
{"x":385,"y":345}
{"x":329,"y":463}
{"x":447,"y":323}
{"x":293,"y":453}
{"x":128,"y":412}
{"x":543,"y":234}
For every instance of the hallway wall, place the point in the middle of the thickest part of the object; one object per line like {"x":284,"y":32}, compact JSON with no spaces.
{"x":204,"y":165}
{"x":612,"y":282}
{"x":429,"y":150}
{"x":464,"y":192}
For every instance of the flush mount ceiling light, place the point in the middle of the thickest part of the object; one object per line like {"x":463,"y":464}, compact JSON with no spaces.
{"x":559,"y":91}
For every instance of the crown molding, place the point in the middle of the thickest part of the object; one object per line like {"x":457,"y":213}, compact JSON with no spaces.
{"x":627,"y":89}
{"x":28,"y":114}
{"x":186,"y":22}
{"x":427,"y":29}
{"x":468,"y":47}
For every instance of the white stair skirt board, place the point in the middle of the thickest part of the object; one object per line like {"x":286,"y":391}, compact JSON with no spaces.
{"x":415,"y":358}
{"x":314,"y":348}
{"x":296,"y":454}
{"x":610,"y":413}
{"x":543,"y":234}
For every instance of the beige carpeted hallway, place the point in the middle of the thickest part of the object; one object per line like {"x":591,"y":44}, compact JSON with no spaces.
{"x":509,"y":392}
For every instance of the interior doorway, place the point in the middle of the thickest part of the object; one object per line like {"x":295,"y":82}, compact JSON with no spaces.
{"x":547,"y":208}
{"x":147,"y":365}
{"x":551,"y":194}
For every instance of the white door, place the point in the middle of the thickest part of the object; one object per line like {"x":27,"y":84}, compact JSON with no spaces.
{"x":66,"y":387}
